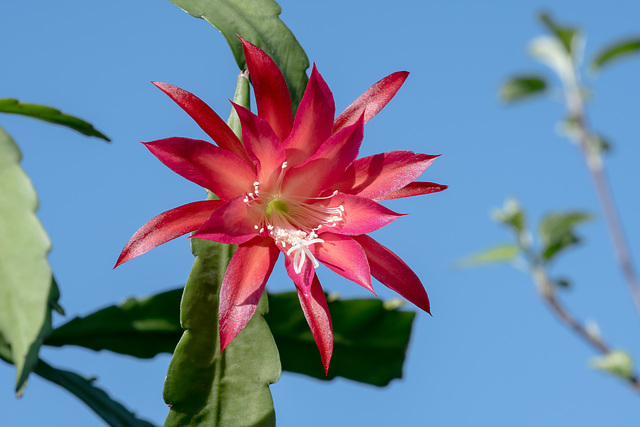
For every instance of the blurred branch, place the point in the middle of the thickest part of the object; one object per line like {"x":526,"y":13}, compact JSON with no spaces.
{"x":548,"y":295}
{"x":584,"y":138}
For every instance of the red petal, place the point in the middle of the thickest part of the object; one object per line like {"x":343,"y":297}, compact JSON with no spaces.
{"x":262,"y":144}
{"x":272,"y":95}
{"x":206,"y":118}
{"x":344,"y":256}
{"x":168,"y":226}
{"x":201,"y":162}
{"x":414,"y":189}
{"x":392,"y":272}
{"x":318,"y":173}
{"x":316,"y":311}
{"x":361,"y":215}
{"x":372,"y":101}
{"x":232,"y":223}
{"x":304,"y":279}
{"x":377,"y":175}
{"x":313,"y":122}
{"x":243,"y":285}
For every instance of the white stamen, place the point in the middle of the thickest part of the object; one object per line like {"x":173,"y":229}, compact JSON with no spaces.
{"x":301,"y":247}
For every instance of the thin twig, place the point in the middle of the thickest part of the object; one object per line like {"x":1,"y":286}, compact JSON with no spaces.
{"x":582,"y":136}
{"x":548,"y":295}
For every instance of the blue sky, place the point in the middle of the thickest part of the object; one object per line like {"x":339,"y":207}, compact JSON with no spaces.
{"x":492,"y":354}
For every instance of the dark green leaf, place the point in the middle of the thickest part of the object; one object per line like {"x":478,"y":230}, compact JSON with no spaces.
{"x":256,"y":21}
{"x":522,"y":87}
{"x":557,"y":232}
{"x":502,"y":253}
{"x":112,"y":412}
{"x":565,"y":34}
{"x":137,"y":327}
{"x":205,"y":387}
{"x":370,"y":339}
{"x":27,"y":291}
{"x":615,"y":52}
{"x":49,"y":114}
{"x":146,"y":327}
{"x":561,"y":283}
{"x":511,"y":215}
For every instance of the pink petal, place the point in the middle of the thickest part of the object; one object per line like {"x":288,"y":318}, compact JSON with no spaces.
{"x":206,"y":118}
{"x":272,"y":95}
{"x":318,"y":173}
{"x":168,"y":226}
{"x":392,"y":272}
{"x":414,"y":189}
{"x":201,"y":162}
{"x":377,"y":175}
{"x":232,"y":223}
{"x":262,"y":144}
{"x":344,"y":256}
{"x":316,"y":311}
{"x":372,"y":101}
{"x":243,"y":285}
{"x":313,"y":122}
{"x":361,"y":215}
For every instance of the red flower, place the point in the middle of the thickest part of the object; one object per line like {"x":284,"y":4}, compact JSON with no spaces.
{"x":292,"y":186}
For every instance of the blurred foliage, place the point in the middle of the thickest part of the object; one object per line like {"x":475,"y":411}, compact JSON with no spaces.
{"x":615,"y":52}
{"x":522,"y":87}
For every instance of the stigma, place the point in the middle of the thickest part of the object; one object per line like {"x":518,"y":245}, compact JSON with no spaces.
{"x":293,"y":221}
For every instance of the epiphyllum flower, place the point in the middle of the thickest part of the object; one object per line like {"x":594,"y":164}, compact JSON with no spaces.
{"x":292,"y":186}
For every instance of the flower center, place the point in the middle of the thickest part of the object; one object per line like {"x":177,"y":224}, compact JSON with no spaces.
{"x":292,"y":221}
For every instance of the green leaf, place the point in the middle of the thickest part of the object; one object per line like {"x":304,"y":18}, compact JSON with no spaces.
{"x":511,"y":215}
{"x":618,"y":363}
{"x":112,"y":412}
{"x":49,"y":114}
{"x":370,"y":339}
{"x":522,"y":87}
{"x":561,"y":283}
{"x":615,"y":52}
{"x":557,"y":232}
{"x":137,"y":327}
{"x":205,"y":387}
{"x":564,"y":34}
{"x":256,"y":21}
{"x":149,"y":326}
{"x":27,"y":290}
{"x":502,"y":253}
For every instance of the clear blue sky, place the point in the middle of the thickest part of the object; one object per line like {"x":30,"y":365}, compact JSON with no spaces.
{"x":491,"y":355}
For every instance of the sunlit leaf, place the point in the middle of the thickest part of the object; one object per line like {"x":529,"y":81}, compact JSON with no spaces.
{"x":258,"y":22}
{"x":615,"y":52}
{"x":557,"y":232}
{"x":511,"y":215}
{"x":49,"y":114}
{"x":618,"y":363}
{"x":112,"y":412}
{"x":27,"y":291}
{"x":565,"y":34}
{"x":370,"y":339}
{"x":205,"y":387}
{"x":137,"y":327}
{"x":502,"y":253}
{"x":522,"y":87}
